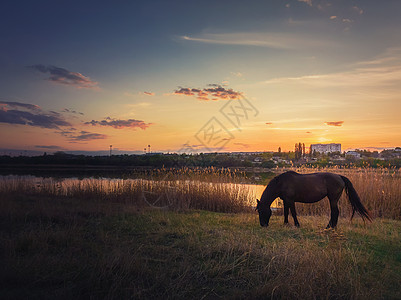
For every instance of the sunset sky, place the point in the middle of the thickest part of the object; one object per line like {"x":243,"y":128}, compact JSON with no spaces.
{"x":199,"y":75}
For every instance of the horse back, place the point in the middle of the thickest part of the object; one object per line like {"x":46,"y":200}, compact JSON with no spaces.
{"x":309,"y":188}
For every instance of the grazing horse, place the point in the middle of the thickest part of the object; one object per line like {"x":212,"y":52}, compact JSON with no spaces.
{"x":292,"y":187}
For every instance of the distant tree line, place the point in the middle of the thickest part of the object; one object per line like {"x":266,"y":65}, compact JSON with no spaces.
{"x":151,"y":160}
{"x":224,"y":160}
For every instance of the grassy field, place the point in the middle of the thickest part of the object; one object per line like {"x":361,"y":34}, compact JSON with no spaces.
{"x":67,"y":248}
{"x":193,"y":237}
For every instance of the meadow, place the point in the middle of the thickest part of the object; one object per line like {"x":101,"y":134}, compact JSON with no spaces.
{"x":191,"y":235}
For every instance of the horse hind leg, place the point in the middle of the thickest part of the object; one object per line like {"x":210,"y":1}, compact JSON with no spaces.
{"x":334,"y":210}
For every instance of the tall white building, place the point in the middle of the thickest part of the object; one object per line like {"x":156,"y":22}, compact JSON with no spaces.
{"x":326,"y":148}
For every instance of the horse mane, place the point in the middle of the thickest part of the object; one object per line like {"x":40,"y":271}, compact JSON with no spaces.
{"x":290,"y":172}
{"x":271,"y":187}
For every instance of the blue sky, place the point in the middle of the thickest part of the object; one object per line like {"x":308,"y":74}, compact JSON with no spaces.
{"x":303,"y":65}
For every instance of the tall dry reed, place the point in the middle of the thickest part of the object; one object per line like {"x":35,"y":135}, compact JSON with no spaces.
{"x":196,"y":188}
{"x":190,"y":189}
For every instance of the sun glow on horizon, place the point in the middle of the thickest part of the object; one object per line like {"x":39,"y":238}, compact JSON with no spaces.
{"x":313,"y":72}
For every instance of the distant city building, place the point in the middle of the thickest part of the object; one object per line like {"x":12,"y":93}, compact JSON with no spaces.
{"x":353,"y":154}
{"x":325,"y":148}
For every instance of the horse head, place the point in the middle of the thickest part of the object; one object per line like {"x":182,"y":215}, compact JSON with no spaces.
{"x":264,"y":213}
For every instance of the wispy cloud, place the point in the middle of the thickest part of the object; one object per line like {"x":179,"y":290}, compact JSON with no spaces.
{"x":279,"y":40}
{"x":63,"y":76}
{"x":71,"y":111}
{"x":335,"y":123}
{"x":149,"y":93}
{"x":119,"y":124}
{"x":29,"y":114}
{"x":87,"y":136}
{"x":243,"y":145}
{"x":308,"y":2}
{"x":236,"y":74}
{"x":76,"y":136}
{"x":358,"y":9}
{"x":384,"y":70}
{"x":213,"y":92}
{"x":5,"y":105}
{"x":50,"y":147}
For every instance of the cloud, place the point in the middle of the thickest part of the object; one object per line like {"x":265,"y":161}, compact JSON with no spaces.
{"x":309,"y":2}
{"x":119,"y":124}
{"x":5,"y":104}
{"x":269,"y":123}
{"x":213,"y":92}
{"x":358,"y":9}
{"x":242,"y":145}
{"x":73,"y":136}
{"x":184,"y":91}
{"x":236,"y":74}
{"x":63,"y":76}
{"x":335,"y":123}
{"x":128,"y":94}
{"x":277,"y":40}
{"x":139,"y":104}
{"x":29,"y":114}
{"x":67,"y":132}
{"x":87,"y":136}
{"x":383,"y":71}
{"x":347,"y":20}
{"x":333,"y":17}
{"x":51,"y":147}
{"x":72,"y":111}
{"x":223,"y":93}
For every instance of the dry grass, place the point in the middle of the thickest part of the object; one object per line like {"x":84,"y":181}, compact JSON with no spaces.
{"x":66,"y":249}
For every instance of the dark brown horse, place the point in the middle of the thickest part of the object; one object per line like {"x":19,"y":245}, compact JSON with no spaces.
{"x":292,"y":187}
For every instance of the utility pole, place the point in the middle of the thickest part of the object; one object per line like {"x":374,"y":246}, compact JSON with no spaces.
{"x":149,"y":148}
{"x":111,"y":147}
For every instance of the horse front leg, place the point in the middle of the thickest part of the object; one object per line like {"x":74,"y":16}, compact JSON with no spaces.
{"x":286,"y":211}
{"x":294,"y":214}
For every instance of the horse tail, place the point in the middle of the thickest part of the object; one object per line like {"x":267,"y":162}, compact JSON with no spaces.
{"x":355,"y":200}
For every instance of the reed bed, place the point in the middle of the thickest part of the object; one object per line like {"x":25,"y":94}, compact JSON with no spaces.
{"x":211,"y":189}
{"x":216,"y":195}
